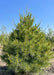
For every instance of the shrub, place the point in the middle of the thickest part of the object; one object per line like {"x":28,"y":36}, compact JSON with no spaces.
{"x":27,"y":49}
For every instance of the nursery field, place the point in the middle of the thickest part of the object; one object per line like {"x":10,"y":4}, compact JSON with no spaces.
{"x":27,"y":50}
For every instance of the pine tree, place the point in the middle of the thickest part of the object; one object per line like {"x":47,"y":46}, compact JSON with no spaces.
{"x":27,"y":49}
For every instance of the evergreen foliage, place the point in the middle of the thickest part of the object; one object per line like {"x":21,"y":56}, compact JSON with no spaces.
{"x":27,"y":49}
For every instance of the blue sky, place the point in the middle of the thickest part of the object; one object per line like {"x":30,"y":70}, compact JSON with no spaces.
{"x":42,"y":10}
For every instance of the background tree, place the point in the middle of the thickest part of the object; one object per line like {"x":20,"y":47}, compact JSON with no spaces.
{"x":50,"y":36}
{"x":27,"y":49}
{"x":3,"y":34}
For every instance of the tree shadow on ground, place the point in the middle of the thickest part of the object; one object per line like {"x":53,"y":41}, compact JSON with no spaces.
{"x":5,"y":71}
